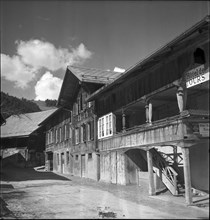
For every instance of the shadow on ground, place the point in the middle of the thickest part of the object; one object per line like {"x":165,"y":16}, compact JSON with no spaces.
{"x":12,"y":173}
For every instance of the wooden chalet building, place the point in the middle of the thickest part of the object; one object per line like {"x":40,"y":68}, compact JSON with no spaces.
{"x":153,"y":120}
{"x":71,"y":136}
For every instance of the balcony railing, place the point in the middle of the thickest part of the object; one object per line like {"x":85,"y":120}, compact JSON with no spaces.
{"x":168,"y":131}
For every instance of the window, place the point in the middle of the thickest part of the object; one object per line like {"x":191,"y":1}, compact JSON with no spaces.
{"x":106,"y":125}
{"x":56,"y":135}
{"x":88,"y":132}
{"x":58,"y":159}
{"x":70,"y":131}
{"x":65,"y":132}
{"x":81,"y":102}
{"x":60,"y":134}
{"x":81,"y":134}
{"x":76,"y":157}
{"x":67,"y":157}
{"x":70,"y":116}
{"x":51,"y":136}
{"x":89,"y":156}
{"x":199,"y":56}
{"x":76,"y":135}
{"x":48,"y":138}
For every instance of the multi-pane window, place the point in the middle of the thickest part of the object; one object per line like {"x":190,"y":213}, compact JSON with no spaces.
{"x":106,"y":125}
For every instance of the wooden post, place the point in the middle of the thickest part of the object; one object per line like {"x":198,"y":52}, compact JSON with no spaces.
{"x":95,"y":132}
{"x":151,"y":175}
{"x":123,"y":121}
{"x":187,"y":177}
{"x":181,"y":98}
{"x":150,"y":112}
{"x":147,"y":113}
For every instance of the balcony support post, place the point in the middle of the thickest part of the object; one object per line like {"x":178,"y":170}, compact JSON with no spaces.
{"x":181,"y":95}
{"x":147,"y":113}
{"x":123,"y":120}
{"x":151,"y":175}
{"x":150,"y":112}
{"x":187,"y":177}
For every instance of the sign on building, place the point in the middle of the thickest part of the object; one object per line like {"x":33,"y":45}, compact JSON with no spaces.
{"x":196,"y":76}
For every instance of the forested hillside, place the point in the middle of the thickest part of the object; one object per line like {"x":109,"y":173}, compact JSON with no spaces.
{"x":11,"y":105}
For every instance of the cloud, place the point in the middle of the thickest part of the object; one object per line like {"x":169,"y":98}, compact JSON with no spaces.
{"x":48,"y":87}
{"x":44,"y":54}
{"x":33,"y":55}
{"x":13,"y":69}
{"x":119,"y":70}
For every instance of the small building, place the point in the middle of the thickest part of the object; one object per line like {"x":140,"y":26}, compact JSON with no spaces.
{"x":23,"y":140}
{"x":71,"y":132}
{"x":153,"y":121}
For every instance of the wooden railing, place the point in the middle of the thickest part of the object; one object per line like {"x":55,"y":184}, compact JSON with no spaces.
{"x":88,"y":112}
{"x":166,"y":173}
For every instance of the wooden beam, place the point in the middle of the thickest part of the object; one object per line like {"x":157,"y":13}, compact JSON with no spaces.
{"x":187,"y":177}
{"x":151,"y":175}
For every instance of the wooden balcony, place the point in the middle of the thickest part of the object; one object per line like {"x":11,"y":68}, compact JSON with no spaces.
{"x":174,"y":130}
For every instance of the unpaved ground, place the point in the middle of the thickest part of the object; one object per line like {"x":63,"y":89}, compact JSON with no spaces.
{"x":31,"y":194}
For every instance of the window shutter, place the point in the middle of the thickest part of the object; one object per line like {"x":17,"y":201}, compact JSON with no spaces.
{"x":92,"y":130}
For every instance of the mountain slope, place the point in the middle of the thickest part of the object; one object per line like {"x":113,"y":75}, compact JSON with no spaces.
{"x":11,"y":105}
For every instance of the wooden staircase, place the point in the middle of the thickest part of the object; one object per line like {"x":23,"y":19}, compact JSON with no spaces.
{"x":167,"y":172}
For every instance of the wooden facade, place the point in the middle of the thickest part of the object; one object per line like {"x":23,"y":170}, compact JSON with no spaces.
{"x":161,"y":108}
{"x":71,"y":133}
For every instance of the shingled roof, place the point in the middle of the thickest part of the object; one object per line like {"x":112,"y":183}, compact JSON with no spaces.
{"x":24,"y":124}
{"x":75,"y":76}
{"x":93,"y":75}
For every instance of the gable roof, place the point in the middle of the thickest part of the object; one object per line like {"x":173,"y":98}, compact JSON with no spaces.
{"x":93,"y":75}
{"x":165,"y":51}
{"x":24,"y":124}
{"x":75,"y":76}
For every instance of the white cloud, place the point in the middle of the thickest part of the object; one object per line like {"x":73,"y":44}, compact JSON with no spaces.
{"x":33,"y":55}
{"x":48,"y":87}
{"x":44,"y":54}
{"x":119,"y":70}
{"x":13,"y":69}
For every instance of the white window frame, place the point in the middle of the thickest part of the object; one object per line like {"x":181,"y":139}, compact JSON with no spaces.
{"x":106,"y":126}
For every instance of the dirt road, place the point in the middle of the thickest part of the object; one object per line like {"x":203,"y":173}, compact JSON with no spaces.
{"x":31,"y":194}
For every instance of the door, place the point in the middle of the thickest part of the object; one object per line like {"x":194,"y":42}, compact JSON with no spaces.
{"x":83,"y":165}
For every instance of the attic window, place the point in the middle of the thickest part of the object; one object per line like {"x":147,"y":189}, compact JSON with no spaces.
{"x":199,"y":56}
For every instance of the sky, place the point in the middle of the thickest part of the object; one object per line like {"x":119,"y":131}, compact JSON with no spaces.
{"x":39,"y":38}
